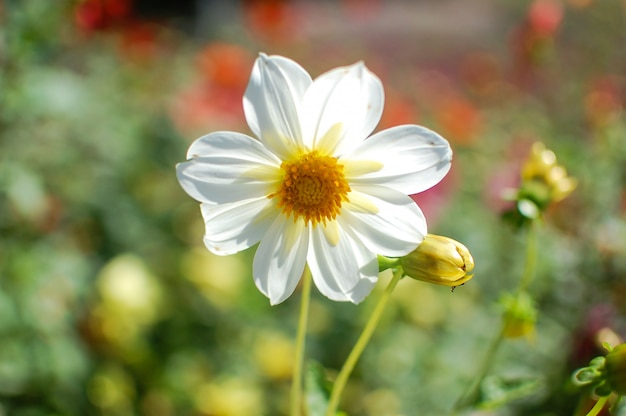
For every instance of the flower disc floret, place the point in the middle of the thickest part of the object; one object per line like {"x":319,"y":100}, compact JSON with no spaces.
{"x":313,"y":187}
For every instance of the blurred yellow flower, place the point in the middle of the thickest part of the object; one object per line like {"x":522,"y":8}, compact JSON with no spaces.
{"x":219,"y":278}
{"x":126,"y":286}
{"x":229,"y":397}
{"x":112,"y":390}
{"x":130,"y":301}
{"x":274,"y":353}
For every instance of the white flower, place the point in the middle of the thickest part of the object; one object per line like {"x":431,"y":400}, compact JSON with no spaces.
{"x":312,"y":190}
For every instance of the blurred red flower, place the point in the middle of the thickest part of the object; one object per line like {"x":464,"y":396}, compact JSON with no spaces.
{"x":604,"y":100}
{"x":94,"y":15}
{"x":272,"y":21}
{"x":216,"y":96}
{"x":460,"y":120}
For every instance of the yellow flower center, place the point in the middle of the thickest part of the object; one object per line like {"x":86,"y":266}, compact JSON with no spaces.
{"x":313,"y":187}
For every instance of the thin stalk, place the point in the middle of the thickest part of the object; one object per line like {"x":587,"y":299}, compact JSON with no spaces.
{"x":531,"y":257}
{"x":470,"y":395}
{"x":357,"y":350}
{"x":598,"y":406}
{"x":296,"y":385}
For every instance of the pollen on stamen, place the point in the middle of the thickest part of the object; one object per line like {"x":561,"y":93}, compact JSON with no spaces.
{"x":313,"y":187}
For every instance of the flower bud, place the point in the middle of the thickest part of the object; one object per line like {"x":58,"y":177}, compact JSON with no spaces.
{"x":615,"y":368}
{"x":439,"y":260}
{"x":542,"y":168}
{"x":520,"y":315}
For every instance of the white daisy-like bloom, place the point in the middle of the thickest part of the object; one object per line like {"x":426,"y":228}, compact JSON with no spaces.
{"x":312,"y":188}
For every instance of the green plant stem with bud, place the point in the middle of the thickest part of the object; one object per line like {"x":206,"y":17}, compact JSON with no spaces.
{"x":471,"y":394}
{"x":296,"y":385}
{"x":359,"y":347}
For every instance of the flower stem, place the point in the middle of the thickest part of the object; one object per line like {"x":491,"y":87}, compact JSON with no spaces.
{"x":470,"y":395}
{"x":531,"y":257}
{"x":296,"y":385}
{"x":357,"y":350}
{"x":598,"y":406}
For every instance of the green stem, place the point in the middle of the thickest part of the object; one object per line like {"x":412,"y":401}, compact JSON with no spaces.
{"x":357,"y":350}
{"x":470,"y":395}
{"x":531,"y":257}
{"x":598,"y":406}
{"x":296,"y":385}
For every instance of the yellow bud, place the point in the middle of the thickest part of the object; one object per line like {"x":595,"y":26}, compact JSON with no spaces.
{"x":541,"y":167}
{"x":439,"y":260}
{"x":562,"y":188}
{"x":539,"y":162}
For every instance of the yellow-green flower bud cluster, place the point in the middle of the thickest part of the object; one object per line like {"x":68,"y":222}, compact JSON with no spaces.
{"x":439,"y":260}
{"x":541,"y":167}
{"x":543,"y":182}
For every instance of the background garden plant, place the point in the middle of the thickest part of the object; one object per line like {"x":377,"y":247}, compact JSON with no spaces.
{"x":110,"y":305}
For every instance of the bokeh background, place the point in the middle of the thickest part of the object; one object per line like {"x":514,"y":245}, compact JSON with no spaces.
{"x":109,"y":303}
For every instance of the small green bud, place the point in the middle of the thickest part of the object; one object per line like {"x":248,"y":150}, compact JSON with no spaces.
{"x":615,"y":368}
{"x":439,"y":260}
{"x":593,"y":374}
{"x":520,"y":315}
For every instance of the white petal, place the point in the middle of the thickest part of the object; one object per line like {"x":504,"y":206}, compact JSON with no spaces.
{"x":272,"y":100}
{"x":279,"y":261}
{"x":227,"y":167}
{"x":407,"y":158}
{"x":345,"y":271}
{"x":341,"y":108}
{"x":230,"y":228}
{"x":395,"y":229}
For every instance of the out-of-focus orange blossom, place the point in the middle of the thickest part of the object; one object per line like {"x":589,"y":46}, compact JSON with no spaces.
{"x":93,"y":15}
{"x":604,"y":101}
{"x":215,"y":96}
{"x":460,"y":120}
{"x":399,"y":109}
{"x":274,"y":21}
{"x":225,"y":64}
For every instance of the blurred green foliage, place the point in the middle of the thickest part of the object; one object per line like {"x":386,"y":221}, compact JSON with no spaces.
{"x":109,"y":304}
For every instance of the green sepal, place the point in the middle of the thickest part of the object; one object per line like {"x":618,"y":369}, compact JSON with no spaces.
{"x":385,"y":263}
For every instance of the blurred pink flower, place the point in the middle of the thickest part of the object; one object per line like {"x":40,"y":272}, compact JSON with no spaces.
{"x":545,"y":16}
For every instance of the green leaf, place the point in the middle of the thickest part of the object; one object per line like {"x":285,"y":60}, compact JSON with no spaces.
{"x":317,"y":389}
{"x":497,"y":391}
